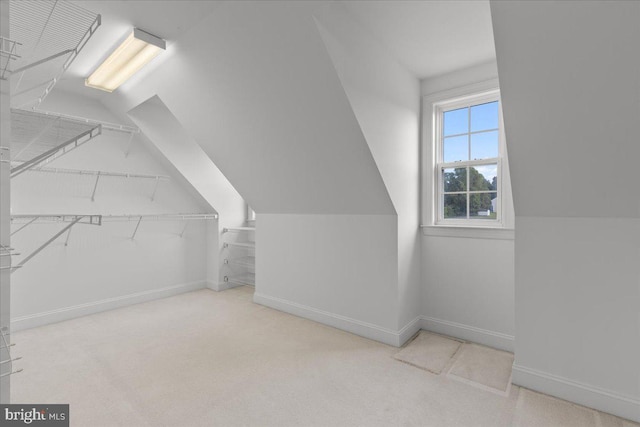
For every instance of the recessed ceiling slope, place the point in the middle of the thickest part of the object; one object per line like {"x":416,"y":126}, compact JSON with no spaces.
{"x":430,"y":38}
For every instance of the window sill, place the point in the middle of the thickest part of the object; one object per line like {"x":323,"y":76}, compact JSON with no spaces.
{"x":496,"y":233}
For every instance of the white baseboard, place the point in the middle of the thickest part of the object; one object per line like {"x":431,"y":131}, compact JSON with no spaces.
{"x":574,"y":391}
{"x":409,"y":330}
{"x":221,"y":286}
{"x":364,"y":329}
{"x":66,"y":313}
{"x":385,"y":335}
{"x":469,"y":333}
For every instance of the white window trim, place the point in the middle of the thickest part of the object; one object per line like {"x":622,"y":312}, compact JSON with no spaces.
{"x":498,"y":229}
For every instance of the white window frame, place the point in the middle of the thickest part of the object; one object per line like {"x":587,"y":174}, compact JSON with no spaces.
{"x":440,"y":109}
{"x":432,"y":216}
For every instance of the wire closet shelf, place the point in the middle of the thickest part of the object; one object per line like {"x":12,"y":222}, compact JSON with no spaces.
{"x":37,"y":139}
{"x":241,"y":267}
{"x":25,"y":220}
{"x":45,"y":39}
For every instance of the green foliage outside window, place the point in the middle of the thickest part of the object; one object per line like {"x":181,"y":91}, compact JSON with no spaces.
{"x":455,"y":205}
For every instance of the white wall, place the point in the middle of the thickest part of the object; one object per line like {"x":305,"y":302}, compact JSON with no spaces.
{"x":467,"y":279}
{"x":577,"y":310}
{"x":173,"y":141}
{"x":468,"y":288}
{"x":593,"y":90}
{"x":354,"y":287}
{"x":102,"y":267}
{"x":385,"y":99}
{"x":570,"y":88}
{"x":263,"y":99}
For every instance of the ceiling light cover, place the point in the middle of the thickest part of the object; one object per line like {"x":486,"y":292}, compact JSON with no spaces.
{"x":134,"y":53}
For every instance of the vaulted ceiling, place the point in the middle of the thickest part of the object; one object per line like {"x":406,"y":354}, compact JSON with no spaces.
{"x":429,"y":38}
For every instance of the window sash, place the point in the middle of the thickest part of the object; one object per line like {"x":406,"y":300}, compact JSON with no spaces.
{"x":439,"y":193}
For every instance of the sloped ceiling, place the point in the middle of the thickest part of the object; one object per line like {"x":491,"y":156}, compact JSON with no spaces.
{"x":570,"y":81}
{"x":254,"y":85}
{"x":256,"y":88}
{"x":165,"y":132}
{"x":430,"y":38}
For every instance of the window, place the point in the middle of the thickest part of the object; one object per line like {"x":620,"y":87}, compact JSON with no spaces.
{"x":468,"y":161}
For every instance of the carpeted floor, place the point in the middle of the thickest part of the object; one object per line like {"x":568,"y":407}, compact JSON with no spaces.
{"x":216,"y":359}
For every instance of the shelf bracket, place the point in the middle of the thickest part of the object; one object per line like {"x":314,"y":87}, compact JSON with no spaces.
{"x":66,"y":242}
{"x":136,"y":229}
{"x":6,"y":346}
{"x":58,"y":151}
{"x":129,"y":145}
{"x":47,"y":243}
{"x":155,"y":188}
{"x":95,"y":187}
{"x":42,"y":61}
{"x":24,"y":226}
{"x":186,"y":224}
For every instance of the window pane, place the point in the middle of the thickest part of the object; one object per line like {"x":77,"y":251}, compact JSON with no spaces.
{"x":456,"y":121}
{"x":484,"y":116}
{"x":483,"y":205}
{"x":455,"y":206}
{"x":484,"y":145}
{"x":483,"y":178}
{"x":455,"y":149}
{"x":454,"y":179}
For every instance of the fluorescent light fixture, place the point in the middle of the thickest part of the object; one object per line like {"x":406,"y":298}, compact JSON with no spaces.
{"x":133,"y":54}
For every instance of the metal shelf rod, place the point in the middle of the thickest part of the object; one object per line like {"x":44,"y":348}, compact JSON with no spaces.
{"x":8,"y":254}
{"x":88,"y":218}
{"x":106,"y":218}
{"x":2,"y":362}
{"x":241,"y":245}
{"x":11,"y":373}
{"x":101,"y":173}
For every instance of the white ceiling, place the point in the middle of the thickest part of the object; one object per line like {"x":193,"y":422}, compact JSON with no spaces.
{"x":167,"y":19}
{"x":430,"y":37}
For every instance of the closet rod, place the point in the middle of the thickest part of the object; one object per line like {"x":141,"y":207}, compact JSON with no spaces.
{"x":99,"y":219}
{"x":95,"y":172}
{"x":136,"y":217}
{"x":85,"y":218}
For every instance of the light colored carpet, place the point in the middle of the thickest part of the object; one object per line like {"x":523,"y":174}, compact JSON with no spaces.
{"x":429,"y":351}
{"x":607,"y":420}
{"x":484,"y":365}
{"x":538,"y":410}
{"x":216,"y":359}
